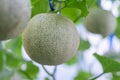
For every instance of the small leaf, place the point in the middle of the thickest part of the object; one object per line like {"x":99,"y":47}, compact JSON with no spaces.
{"x":115,"y":76}
{"x":39,"y":6}
{"x":79,"y":5}
{"x":1,"y":60}
{"x":117,"y":32}
{"x":72,"y":61}
{"x":15,"y":46}
{"x":60,"y":0}
{"x":82,"y":75}
{"x":46,"y":78}
{"x":84,"y":45}
{"x":72,"y":13}
{"x":12,"y":61}
{"x":31,"y":70}
{"x":108,"y":64}
{"x":8,"y":59}
{"x":91,"y":4}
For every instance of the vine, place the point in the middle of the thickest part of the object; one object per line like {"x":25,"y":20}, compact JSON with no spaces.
{"x":51,"y":5}
{"x":50,"y":74}
{"x":94,"y":78}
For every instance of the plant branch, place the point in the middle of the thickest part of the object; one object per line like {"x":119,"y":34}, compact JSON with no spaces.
{"x":94,"y":78}
{"x":46,"y":71}
{"x":51,"y":5}
{"x":55,"y":69}
{"x":99,"y":3}
{"x":50,"y":74}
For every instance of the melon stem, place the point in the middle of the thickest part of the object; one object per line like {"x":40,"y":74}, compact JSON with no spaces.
{"x":50,"y":74}
{"x":51,"y":5}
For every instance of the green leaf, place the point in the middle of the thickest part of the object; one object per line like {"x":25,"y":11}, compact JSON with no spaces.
{"x":115,"y":76}
{"x":31,"y":70}
{"x":92,"y":4}
{"x":15,"y":46}
{"x":1,"y":60}
{"x":84,"y":45}
{"x":12,"y":61}
{"x":60,"y":0}
{"x":117,"y":32}
{"x":79,"y":4}
{"x":39,"y":6}
{"x":82,"y":75}
{"x":7,"y":59}
{"x":46,"y":78}
{"x":108,"y":64}
{"x":72,"y":13}
{"x":72,"y":61}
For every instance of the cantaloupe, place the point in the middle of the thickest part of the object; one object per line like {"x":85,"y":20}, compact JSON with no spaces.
{"x":50,"y":39}
{"x":14,"y":16}
{"x":100,"y":21}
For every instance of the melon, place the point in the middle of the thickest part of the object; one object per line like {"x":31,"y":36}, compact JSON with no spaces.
{"x":50,"y":39}
{"x":14,"y":16}
{"x":100,"y":21}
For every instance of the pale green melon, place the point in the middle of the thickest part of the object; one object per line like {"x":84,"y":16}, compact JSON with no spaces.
{"x":14,"y":16}
{"x":50,"y":39}
{"x":100,"y":21}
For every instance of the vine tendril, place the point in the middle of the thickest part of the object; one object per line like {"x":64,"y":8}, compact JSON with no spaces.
{"x":50,"y":74}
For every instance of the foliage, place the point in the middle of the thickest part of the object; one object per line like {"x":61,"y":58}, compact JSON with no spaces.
{"x":82,"y":75}
{"x":39,"y":6}
{"x":84,"y":45}
{"x":118,"y":28}
{"x":72,"y":61}
{"x":108,"y":64}
{"x":78,"y":4}
{"x":12,"y":61}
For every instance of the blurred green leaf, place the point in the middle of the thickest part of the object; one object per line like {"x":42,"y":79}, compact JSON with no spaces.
{"x":12,"y":61}
{"x":1,"y":60}
{"x":39,"y":6}
{"x":60,"y":0}
{"x":72,"y":61}
{"x":115,"y":76}
{"x":84,"y":45}
{"x":47,"y":78}
{"x":91,"y":3}
{"x":72,"y":13}
{"x":7,"y":59}
{"x":82,"y":75}
{"x":15,"y":46}
{"x":117,"y":32}
{"x":5,"y":74}
{"x":108,"y":64}
{"x":79,"y":4}
{"x":31,"y":70}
